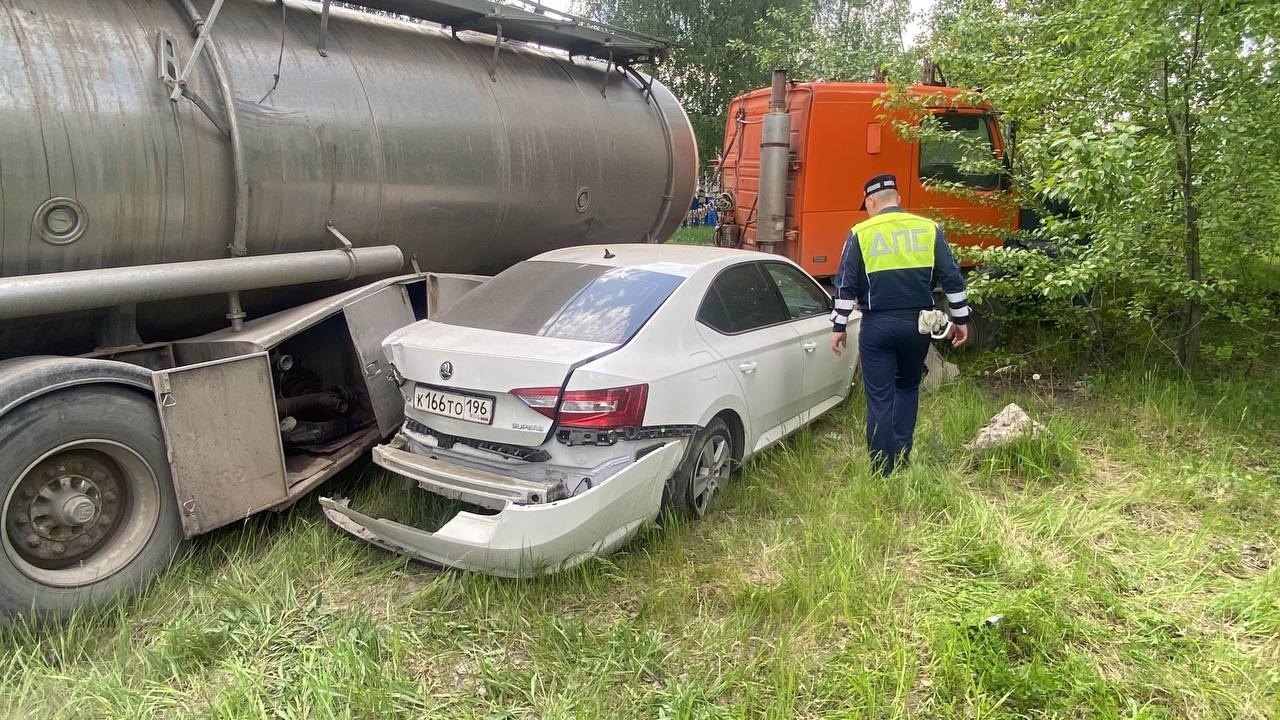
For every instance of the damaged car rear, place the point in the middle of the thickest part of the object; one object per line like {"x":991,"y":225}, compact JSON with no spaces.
{"x":565,"y":398}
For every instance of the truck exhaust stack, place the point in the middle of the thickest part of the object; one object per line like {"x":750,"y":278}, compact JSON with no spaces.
{"x":775,"y":148}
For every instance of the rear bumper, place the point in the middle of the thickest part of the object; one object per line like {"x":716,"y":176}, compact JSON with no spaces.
{"x":477,"y":487}
{"x":523,"y":540}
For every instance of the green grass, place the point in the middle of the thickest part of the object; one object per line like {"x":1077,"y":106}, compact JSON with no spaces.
{"x":1132,"y":558}
{"x":700,"y":235}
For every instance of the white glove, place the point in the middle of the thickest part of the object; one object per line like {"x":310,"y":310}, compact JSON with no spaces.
{"x":934,"y":323}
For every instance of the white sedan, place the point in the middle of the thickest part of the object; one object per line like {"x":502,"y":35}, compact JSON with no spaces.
{"x":570,"y":396}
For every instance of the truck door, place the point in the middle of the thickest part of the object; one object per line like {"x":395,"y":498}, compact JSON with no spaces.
{"x":968,"y":136}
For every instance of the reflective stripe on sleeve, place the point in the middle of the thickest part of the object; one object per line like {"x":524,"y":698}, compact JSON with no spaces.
{"x":844,"y":304}
{"x":840,"y":320}
{"x":960,"y":312}
{"x":958,"y":297}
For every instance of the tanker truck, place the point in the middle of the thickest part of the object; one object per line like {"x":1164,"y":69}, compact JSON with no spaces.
{"x":206,"y":212}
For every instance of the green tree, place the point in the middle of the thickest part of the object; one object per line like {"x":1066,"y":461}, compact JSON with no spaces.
{"x":706,"y":71}
{"x":727,"y":48}
{"x":1156,"y":121}
{"x":833,"y":39}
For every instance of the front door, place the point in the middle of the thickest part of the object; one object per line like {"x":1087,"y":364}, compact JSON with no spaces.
{"x":965,"y":153}
{"x":744,"y":321}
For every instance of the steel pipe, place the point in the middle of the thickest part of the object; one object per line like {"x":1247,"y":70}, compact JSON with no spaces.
{"x":240,"y":230}
{"x":48,"y":293}
{"x":775,"y":150}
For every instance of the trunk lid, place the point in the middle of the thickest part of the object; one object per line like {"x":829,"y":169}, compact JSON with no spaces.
{"x":455,"y":369}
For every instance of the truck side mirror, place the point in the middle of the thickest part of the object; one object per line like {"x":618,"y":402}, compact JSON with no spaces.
{"x":1006,"y":171}
{"x":1010,"y":150}
{"x":1010,"y":141}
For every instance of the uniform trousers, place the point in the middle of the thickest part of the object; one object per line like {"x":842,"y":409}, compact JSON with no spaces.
{"x":892,"y":353}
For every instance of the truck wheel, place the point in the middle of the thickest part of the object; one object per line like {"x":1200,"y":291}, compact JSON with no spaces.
{"x":986,"y":319}
{"x":89,"y":511}
{"x":705,"y":469}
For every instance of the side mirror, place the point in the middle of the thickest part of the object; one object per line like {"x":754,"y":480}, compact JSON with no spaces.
{"x":1006,"y":172}
{"x":1010,"y":141}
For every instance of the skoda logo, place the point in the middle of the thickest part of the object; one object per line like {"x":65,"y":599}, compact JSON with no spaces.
{"x":446,"y":370}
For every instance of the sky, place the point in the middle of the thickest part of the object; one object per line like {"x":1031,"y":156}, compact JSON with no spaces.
{"x":918,"y":9}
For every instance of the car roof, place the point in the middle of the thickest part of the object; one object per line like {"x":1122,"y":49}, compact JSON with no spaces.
{"x":682,"y":260}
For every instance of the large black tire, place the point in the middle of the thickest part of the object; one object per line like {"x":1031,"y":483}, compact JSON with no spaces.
{"x":985,"y":323}
{"x":706,"y":467}
{"x":985,"y":327}
{"x":88,"y":508}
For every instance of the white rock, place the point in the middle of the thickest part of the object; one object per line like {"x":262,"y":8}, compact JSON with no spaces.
{"x":1009,"y":424}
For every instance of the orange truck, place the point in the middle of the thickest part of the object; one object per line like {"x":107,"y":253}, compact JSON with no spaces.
{"x":796,"y":156}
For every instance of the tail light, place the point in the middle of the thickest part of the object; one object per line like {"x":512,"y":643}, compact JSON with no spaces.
{"x":604,"y":409}
{"x":595,"y":409}
{"x":541,"y":399}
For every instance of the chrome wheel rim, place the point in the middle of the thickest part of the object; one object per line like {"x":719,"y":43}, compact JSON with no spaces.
{"x":80,"y":513}
{"x":710,"y":471}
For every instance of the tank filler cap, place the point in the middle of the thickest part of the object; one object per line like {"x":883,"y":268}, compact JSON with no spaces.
{"x":60,"y":220}
{"x":584,"y":199}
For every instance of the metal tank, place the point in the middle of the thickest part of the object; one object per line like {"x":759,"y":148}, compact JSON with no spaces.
{"x":403,"y":133}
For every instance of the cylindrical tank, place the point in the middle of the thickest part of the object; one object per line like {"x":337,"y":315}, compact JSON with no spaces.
{"x":398,"y":135}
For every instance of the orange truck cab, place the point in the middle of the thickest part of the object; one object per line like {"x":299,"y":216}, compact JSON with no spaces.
{"x":835,"y":135}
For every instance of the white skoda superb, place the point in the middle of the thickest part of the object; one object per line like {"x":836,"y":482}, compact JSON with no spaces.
{"x":570,"y":396}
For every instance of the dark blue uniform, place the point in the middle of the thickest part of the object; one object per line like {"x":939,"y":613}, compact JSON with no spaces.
{"x":889,"y":266}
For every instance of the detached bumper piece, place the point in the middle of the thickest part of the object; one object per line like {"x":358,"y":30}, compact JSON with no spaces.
{"x":525,"y":540}
{"x":478,"y":487}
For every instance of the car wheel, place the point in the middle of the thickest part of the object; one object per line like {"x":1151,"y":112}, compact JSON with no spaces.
{"x":88,"y":506}
{"x":705,"y":469}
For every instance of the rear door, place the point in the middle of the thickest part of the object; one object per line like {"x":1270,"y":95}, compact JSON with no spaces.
{"x":827,"y":376}
{"x":743,"y":319}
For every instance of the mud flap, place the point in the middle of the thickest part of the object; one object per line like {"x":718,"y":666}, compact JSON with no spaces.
{"x":524,"y":540}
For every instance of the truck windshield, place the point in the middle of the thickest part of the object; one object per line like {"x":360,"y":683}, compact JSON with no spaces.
{"x":564,"y":300}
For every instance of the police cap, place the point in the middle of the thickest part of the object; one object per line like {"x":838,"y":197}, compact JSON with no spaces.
{"x":885,"y":181}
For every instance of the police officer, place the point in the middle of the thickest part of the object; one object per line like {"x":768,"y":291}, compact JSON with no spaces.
{"x":889,"y":266}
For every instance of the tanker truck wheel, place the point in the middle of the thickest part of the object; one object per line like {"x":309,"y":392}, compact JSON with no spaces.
{"x":89,"y":511}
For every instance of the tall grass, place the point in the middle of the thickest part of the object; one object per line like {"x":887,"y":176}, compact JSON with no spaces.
{"x":696,"y":235}
{"x":1122,"y":565}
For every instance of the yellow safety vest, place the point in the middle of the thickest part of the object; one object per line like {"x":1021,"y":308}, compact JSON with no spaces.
{"x":896,"y":241}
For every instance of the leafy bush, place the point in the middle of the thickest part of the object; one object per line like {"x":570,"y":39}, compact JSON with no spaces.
{"x":1153,"y":121}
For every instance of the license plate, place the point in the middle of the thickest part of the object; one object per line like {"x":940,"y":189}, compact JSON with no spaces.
{"x":472,"y":408}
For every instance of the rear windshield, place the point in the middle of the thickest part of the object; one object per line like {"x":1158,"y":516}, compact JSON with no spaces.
{"x":564,"y":300}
